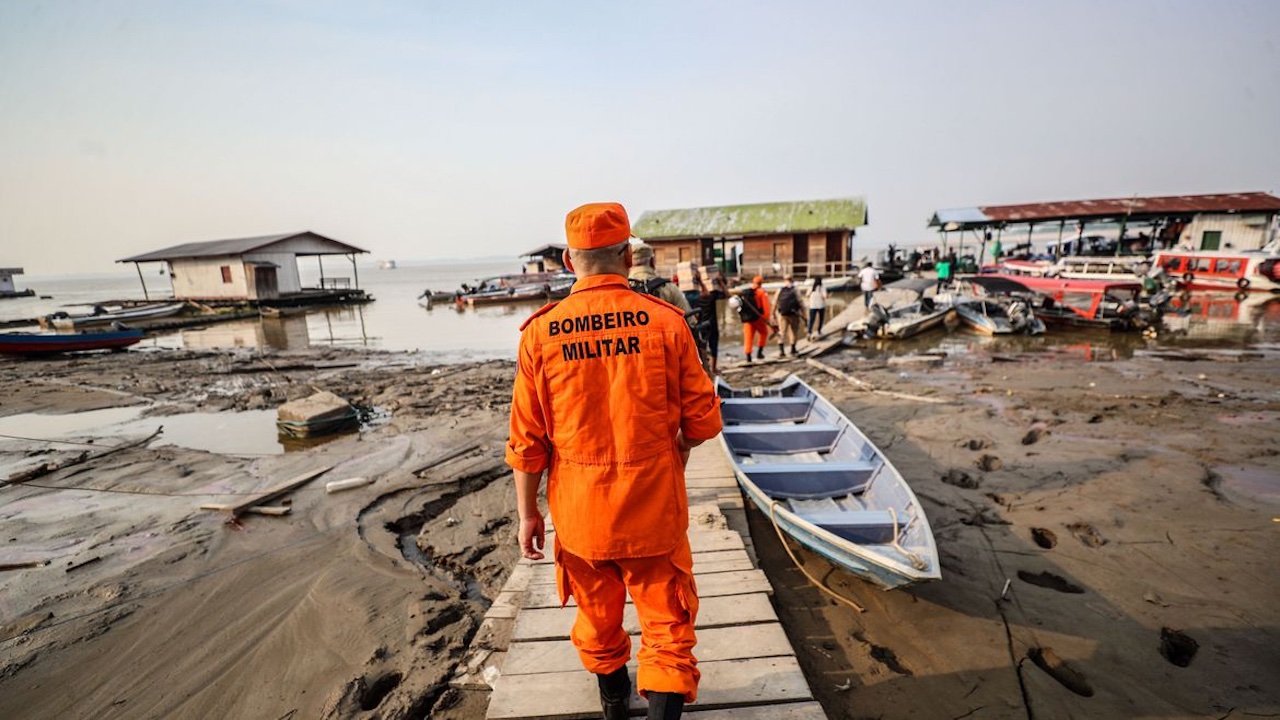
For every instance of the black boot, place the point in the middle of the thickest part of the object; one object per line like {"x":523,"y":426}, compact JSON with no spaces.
{"x":793,"y":351}
{"x":748,"y":357}
{"x":615,"y":690}
{"x":760,"y":353}
{"x":665,"y":706}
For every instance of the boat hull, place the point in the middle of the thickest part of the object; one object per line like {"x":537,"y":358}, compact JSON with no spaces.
{"x":37,"y":344}
{"x":123,"y":316}
{"x":823,"y":483}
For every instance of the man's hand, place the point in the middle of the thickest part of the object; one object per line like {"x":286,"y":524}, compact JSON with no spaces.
{"x":532,"y":537}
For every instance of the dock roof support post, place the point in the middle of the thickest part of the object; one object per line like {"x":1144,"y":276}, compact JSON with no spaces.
{"x":1061,"y":226}
{"x":1031,"y":228}
{"x":354,"y":272}
{"x":320,"y":264}
{"x":142,"y":280}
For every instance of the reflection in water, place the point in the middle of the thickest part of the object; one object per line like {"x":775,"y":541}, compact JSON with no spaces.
{"x":250,"y":432}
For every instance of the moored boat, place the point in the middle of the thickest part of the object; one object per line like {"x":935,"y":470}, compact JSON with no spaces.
{"x":1064,"y":302}
{"x":998,"y":311}
{"x":822,"y":482}
{"x":1222,"y":270}
{"x":908,"y":311}
{"x":50,"y":343}
{"x":63,"y":321}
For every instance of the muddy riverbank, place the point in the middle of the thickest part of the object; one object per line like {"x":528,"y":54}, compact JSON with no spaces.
{"x":1107,"y":532}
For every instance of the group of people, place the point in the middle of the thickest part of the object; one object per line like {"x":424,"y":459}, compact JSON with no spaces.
{"x":782,"y":314}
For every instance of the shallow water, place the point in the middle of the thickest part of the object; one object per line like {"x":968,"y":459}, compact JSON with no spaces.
{"x":250,"y":432}
{"x":396,"y":321}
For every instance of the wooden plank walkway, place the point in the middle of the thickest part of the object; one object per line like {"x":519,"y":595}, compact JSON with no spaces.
{"x":749,"y":670}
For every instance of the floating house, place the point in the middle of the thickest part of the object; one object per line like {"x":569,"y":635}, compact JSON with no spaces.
{"x":545,"y":258}
{"x":7,"y":288}
{"x":255,"y":269}
{"x":806,"y":237}
{"x":1239,"y":221}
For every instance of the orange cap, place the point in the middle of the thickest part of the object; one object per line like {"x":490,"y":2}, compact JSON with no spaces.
{"x":597,"y":225}
{"x":757,"y":280}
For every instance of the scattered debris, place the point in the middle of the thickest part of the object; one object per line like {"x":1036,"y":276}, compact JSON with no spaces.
{"x":340,"y":485}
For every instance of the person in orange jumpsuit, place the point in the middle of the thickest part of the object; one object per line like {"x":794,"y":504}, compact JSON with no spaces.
{"x":757,"y":331}
{"x":610,"y":397}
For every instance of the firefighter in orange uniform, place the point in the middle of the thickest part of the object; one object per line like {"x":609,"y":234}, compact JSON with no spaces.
{"x":610,"y":396}
{"x":759,"y":328}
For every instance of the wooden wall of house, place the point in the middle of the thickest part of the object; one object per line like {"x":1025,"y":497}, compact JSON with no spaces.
{"x":287,"y":277}
{"x":1244,"y":231}
{"x":667,"y":253}
{"x":203,"y":278}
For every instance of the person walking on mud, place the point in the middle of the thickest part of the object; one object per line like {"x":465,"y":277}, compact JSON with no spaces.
{"x":610,"y":397}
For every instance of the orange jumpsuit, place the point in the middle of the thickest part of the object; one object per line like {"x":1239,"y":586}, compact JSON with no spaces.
{"x":757,"y":331}
{"x":606,"y":379}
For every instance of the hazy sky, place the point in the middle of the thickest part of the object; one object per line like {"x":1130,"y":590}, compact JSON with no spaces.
{"x":465,"y":129}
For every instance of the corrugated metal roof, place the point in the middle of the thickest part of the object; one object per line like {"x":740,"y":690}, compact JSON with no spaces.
{"x":757,"y":219}
{"x":236,"y":246}
{"x":959,"y":216}
{"x":547,"y":249}
{"x":1111,"y":208}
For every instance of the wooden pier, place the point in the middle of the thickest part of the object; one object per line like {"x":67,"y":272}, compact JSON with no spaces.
{"x":749,"y":670}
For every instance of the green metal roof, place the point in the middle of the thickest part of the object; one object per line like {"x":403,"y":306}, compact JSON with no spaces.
{"x":757,"y":219}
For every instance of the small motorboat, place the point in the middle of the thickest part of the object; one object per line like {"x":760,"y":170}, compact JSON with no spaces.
{"x":102,"y":316}
{"x":822,"y":482}
{"x":50,"y":343}
{"x":908,"y":312}
{"x":999,"y":311}
{"x":1090,"y":304}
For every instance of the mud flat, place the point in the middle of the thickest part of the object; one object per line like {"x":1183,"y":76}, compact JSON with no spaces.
{"x":1108,"y":533}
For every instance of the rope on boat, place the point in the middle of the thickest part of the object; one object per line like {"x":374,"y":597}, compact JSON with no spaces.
{"x":773,"y":518}
{"x":915,"y":559}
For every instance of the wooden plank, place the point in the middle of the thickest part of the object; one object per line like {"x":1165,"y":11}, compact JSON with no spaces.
{"x":740,"y":582}
{"x":725,"y":684}
{"x":707,"y":541}
{"x":237,"y":509}
{"x":710,"y":561}
{"x":725,"y":611}
{"x":730,"y":643}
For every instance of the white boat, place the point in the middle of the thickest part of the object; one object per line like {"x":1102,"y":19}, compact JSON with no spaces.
{"x":902,"y":310}
{"x":822,"y":482}
{"x":1123,"y":268}
{"x":63,"y":321}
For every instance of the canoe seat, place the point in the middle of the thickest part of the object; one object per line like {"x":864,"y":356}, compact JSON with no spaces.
{"x":862,"y":526}
{"x":781,"y":439}
{"x":765,"y":410}
{"x":810,"y":481}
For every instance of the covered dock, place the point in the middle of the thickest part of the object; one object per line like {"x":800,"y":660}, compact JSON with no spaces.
{"x":1136,"y":225}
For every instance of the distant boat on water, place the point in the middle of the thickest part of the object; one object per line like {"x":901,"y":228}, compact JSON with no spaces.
{"x":387,"y":265}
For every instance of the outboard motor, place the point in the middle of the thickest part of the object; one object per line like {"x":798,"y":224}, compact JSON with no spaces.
{"x":1019,"y":315}
{"x":877,"y":318}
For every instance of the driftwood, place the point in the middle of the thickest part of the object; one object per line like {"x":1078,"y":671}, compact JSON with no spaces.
{"x":869,"y":388}
{"x":23,"y":565}
{"x":447,"y":457}
{"x":239,"y":508}
{"x":84,"y":457}
{"x":253,"y":510}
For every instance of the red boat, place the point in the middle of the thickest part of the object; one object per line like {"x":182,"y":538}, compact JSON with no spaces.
{"x":50,"y":343}
{"x":1102,"y":304}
